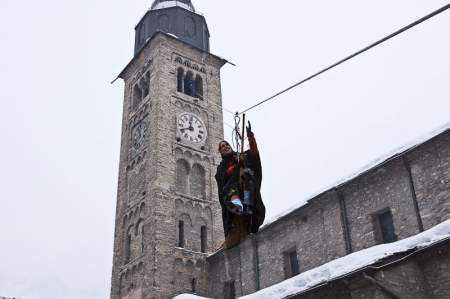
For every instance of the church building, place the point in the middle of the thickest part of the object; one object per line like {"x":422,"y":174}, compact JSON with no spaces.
{"x":168,"y":217}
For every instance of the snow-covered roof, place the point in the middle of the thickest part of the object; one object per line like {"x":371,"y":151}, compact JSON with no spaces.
{"x":383,"y":159}
{"x":166,"y":4}
{"x":348,"y":264}
{"x":352,"y":263}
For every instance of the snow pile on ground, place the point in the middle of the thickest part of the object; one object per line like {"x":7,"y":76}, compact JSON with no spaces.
{"x":167,"y":4}
{"x":187,"y":296}
{"x":351,"y":263}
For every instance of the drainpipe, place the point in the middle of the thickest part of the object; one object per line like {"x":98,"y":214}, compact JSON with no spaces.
{"x":344,"y":220}
{"x":413,"y":193}
{"x":256,"y":262}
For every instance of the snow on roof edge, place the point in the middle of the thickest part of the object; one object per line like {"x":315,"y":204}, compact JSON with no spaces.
{"x":377,"y":162}
{"x":352,"y":263}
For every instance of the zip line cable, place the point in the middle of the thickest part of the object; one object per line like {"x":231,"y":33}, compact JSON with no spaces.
{"x":427,"y":17}
{"x":223,"y":108}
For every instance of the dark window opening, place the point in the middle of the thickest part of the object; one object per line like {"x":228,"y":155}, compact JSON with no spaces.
{"x":145,"y":85}
{"x":189,"y":85}
{"x":194,"y":285}
{"x":291,"y":265}
{"x":137,"y":96}
{"x":384,"y":227}
{"x":199,"y":87}
{"x":181,"y":234}
{"x":128,"y":248}
{"x":203,"y":238}
{"x":230,"y":291}
{"x":180,"y":75}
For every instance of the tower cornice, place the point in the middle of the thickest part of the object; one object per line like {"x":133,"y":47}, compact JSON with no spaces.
{"x":219,"y":59}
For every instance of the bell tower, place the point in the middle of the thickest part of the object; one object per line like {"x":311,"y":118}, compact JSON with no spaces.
{"x":168,"y":216}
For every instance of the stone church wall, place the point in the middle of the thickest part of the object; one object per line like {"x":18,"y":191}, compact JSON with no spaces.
{"x":430,"y":167}
{"x":414,"y":185}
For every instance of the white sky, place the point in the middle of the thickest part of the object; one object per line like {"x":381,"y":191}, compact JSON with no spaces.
{"x":60,"y":118}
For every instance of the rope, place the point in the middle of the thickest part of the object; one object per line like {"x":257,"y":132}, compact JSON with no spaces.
{"x":398,"y":32}
{"x":236,"y":137}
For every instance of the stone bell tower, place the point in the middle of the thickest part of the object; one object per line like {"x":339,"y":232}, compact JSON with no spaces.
{"x":168,"y":216}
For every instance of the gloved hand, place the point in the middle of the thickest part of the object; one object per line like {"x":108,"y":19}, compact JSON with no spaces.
{"x":249,"y":129}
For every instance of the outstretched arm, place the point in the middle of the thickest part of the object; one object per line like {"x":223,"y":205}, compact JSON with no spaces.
{"x":252,"y":141}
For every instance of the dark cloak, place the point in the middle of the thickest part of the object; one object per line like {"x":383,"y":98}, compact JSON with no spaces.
{"x":253,"y":162}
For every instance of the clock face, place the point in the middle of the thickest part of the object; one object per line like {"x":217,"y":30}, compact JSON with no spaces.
{"x":191,"y":128}
{"x":138,"y":134}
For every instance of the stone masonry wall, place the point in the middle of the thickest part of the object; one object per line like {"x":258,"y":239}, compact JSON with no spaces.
{"x":424,"y":275}
{"x":147,"y":262}
{"x":414,"y":185}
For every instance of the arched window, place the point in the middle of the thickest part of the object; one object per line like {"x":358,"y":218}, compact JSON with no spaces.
{"x":203,"y":239}
{"x":199,"y":87}
{"x":145,"y":84}
{"x":194,"y":285}
{"x":189,"y":84}
{"x":181,"y":234}
{"x":140,"y":235}
{"x":197,"y":181}
{"x":128,"y":240}
{"x":180,"y":79}
{"x":137,"y":96}
{"x":182,"y":176}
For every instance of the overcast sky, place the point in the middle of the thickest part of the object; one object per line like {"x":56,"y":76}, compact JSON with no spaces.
{"x":60,"y":119}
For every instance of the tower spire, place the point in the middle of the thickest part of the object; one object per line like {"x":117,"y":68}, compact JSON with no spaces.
{"x":175,"y":17}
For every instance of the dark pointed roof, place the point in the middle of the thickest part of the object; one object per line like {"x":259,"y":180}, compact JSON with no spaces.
{"x":187,"y":4}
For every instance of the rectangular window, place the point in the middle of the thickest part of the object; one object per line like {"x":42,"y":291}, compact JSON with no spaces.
{"x":204,"y":238}
{"x":291,"y":265}
{"x":230,"y":291}
{"x":181,"y":234}
{"x":384,"y":227}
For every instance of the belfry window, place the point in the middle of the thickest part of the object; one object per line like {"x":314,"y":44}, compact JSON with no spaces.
{"x":180,"y":79}
{"x":181,"y":234}
{"x":199,"y":87}
{"x":137,"y":96}
{"x":145,"y":84}
{"x":203,"y":238}
{"x":189,"y":85}
{"x":141,"y":90}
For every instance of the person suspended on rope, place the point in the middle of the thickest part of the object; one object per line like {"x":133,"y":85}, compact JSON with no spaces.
{"x":239,"y":184}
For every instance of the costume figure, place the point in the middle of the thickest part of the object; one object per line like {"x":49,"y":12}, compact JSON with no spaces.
{"x":239,"y":186}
